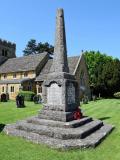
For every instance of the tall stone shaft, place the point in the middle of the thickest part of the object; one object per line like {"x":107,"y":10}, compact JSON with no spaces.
{"x":60,"y":63}
{"x":60,"y":89}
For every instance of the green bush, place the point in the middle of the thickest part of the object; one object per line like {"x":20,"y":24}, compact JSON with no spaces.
{"x":28,"y":95}
{"x":117,"y":95}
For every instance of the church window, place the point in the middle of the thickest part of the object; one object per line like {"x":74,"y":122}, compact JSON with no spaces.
{"x":6,"y":53}
{"x":40,"y":89}
{"x":82,"y":83}
{"x":3,"y":52}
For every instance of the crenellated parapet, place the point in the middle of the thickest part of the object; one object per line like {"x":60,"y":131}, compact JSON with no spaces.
{"x":7,"y":49}
{"x":7,"y":43}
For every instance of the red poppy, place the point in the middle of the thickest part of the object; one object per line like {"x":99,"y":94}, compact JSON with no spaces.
{"x":77,"y":114}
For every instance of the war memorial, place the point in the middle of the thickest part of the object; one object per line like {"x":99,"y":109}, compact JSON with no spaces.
{"x":61,"y":124}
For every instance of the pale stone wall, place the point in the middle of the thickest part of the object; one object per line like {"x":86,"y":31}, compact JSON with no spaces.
{"x":19,"y":75}
{"x":12,"y":95}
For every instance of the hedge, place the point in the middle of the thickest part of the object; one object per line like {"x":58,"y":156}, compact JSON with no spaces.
{"x":28,"y":95}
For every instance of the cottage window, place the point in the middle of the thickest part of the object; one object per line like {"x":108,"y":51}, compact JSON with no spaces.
{"x":2,"y":89}
{"x":12,"y":89}
{"x":25,"y":74}
{"x":14,"y":75}
{"x":5,"y":76}
{"x":21,"y":75}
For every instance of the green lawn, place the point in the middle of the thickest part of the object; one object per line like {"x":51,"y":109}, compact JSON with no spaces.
{"x":13,"y":148}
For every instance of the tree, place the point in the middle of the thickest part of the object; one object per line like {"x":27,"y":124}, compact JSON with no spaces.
{"x":36,"y":48}
{"x":31,"y":47}
{"x":104,"y":73}
{"x":111,"y":76}
{"x":45,"y":47}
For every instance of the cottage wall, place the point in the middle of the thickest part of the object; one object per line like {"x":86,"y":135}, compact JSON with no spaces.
{"x":7,"y":88}
{"x":19,"y":75}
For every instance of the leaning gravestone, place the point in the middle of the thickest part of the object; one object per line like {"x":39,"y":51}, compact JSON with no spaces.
{"x":60,"y":124}
{"x":20,"y":101}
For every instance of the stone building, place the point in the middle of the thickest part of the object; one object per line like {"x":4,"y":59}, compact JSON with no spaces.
{"x":20,"y":73}
{"x":28,"y":73}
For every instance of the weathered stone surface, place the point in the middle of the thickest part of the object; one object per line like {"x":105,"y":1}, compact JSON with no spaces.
{"x":91,"y":140}
{"x":61,"y":92}
{"x":54,"y":94}
{"x":56,"y":115}
{"x":61,"y":133}
{"x":60,"y":63}
{"x":70,"y":94}
{"x":71,"y":124}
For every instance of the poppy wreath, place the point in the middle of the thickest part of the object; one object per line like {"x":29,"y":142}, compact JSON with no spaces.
{"x":77,"y":114}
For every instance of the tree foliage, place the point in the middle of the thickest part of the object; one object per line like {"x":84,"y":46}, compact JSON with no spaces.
{"x":104,"y":73}
{"x":33,"y":47}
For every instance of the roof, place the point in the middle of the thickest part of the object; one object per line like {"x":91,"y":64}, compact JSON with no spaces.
{"x":72,"y":62}
{"x":20,"y":64}
{"x":15,"y":81}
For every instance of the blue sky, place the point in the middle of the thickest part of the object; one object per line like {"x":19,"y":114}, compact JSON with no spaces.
{"x":90,"y":24}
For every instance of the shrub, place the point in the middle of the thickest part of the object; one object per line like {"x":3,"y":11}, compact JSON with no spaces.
{"x":117,"y":95}
{"x":28,"y":95}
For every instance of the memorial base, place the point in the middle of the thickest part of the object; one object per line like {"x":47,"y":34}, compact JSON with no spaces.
{"x":82,"y":133}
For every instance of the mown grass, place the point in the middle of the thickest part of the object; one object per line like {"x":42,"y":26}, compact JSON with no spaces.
{"x":13,"y":148}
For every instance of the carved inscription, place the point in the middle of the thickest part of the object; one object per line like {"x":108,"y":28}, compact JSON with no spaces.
{"x":54,"y":94}
{"x":71,"y":94}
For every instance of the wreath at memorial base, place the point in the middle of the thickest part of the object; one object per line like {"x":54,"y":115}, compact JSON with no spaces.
{"x":77,"y":114}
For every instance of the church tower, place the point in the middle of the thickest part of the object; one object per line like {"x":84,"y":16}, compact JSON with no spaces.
{"x":7,"y":49}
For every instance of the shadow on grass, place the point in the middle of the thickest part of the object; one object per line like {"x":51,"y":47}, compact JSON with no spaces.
{"x":104,"y":118}
{"x":2,"y":127}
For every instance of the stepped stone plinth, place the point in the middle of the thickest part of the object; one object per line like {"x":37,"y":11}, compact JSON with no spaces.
{"x":82,"y":133}
{"x":60,"y":124}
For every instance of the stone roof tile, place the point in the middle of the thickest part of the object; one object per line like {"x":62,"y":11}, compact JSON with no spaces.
{"x":26,"y":63}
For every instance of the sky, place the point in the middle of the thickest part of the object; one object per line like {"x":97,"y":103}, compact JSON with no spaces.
{"x":90,"y":24}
